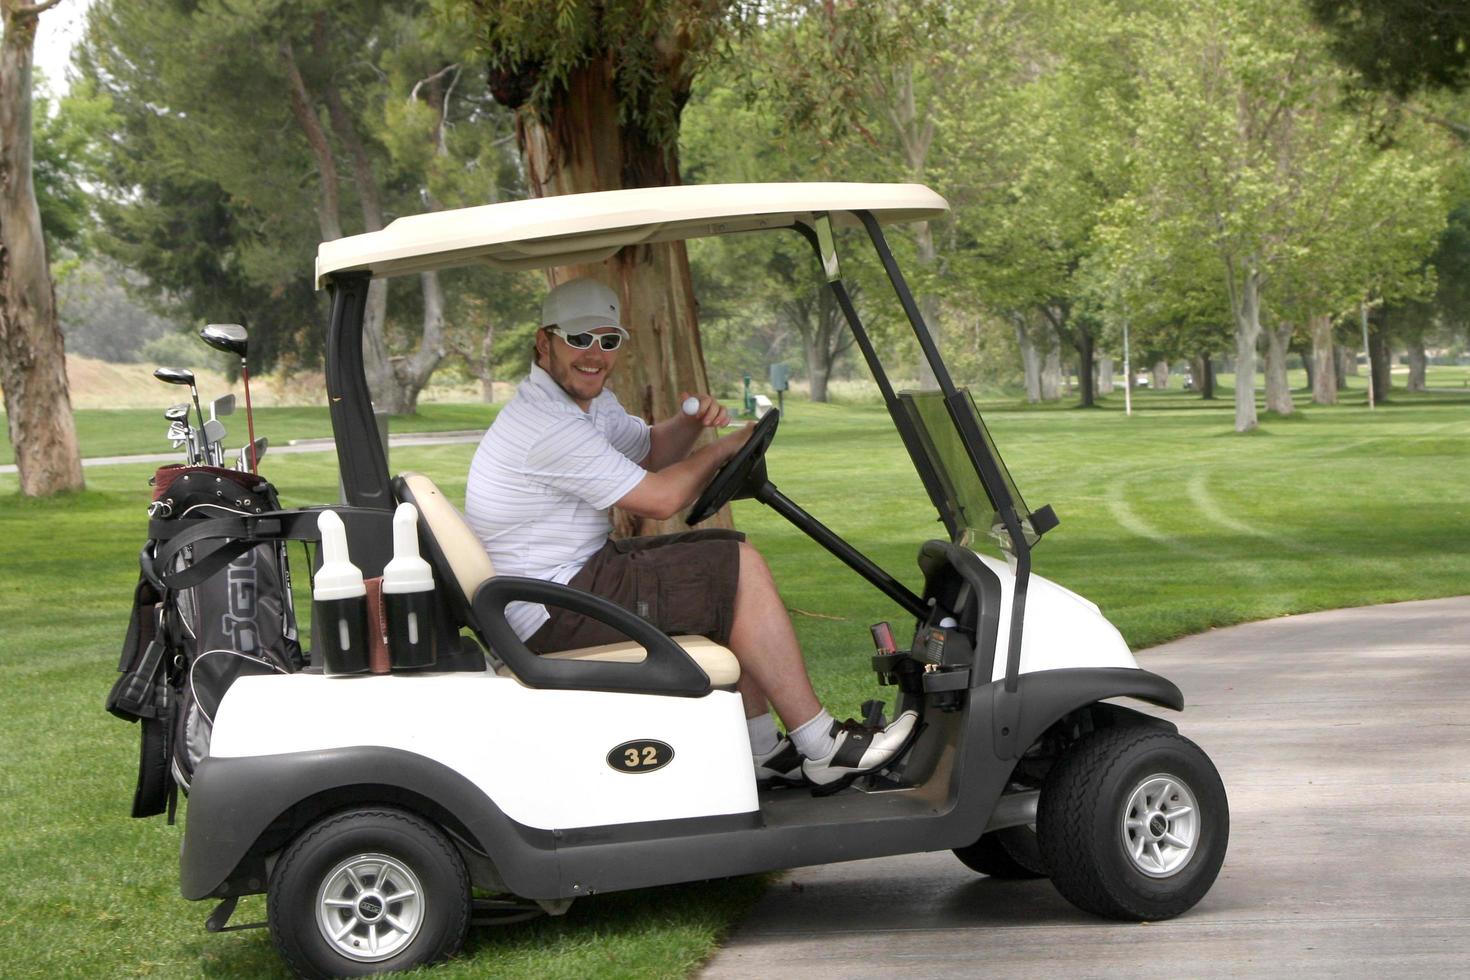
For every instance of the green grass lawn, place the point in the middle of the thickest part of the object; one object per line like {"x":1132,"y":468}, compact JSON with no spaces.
{"x":1170,"y":521}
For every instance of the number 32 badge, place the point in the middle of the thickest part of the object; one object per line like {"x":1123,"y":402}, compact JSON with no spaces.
{"x":640,"y":755}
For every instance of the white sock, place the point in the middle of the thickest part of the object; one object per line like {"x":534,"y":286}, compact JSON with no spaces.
{"x":763,"y":734}
{"x":814,"y":738}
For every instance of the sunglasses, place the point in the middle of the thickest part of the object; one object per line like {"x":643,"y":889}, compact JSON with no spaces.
{"x":582,"y":341}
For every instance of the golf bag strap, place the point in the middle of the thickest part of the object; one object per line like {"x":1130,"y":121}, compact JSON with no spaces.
{"x":240,"y":534}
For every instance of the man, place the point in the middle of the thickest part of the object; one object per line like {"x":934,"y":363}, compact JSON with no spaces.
{"x":562,"y":453}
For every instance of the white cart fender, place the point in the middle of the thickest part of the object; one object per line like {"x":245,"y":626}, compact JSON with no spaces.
{"x":1063,"y":630}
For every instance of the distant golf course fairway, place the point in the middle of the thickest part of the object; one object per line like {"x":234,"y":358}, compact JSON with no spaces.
{"x":1170,"y":521}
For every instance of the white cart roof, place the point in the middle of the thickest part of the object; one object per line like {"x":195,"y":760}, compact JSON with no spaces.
{"x":580,"y":228}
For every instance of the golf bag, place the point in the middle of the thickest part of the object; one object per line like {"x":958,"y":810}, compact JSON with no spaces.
{"x":213,"y":603}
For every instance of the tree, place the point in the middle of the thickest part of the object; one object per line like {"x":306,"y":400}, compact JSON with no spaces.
{"x":598,"y":88}
{"x":32,"y":351}
{"x":251,"y":131}
{"x":1400,"y":46}
{"x":1241,"y":147}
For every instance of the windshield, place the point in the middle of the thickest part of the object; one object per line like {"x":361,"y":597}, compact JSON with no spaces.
{"x":974,"y":507}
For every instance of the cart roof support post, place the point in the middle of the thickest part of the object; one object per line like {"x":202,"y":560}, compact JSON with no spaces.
{"x":360,"y":455}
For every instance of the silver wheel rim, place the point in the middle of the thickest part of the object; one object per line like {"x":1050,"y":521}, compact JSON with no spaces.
{"x":370,"y":907}
{"x":1160,"y":825}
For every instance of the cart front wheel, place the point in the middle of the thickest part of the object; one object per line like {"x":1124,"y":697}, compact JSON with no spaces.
{"x":1133,"y":824}
{"x":368,"y":891}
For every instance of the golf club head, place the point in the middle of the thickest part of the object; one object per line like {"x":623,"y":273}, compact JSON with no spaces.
{"x":222,"y":406}
{"x":174,"y":376}
{"x":214,"y":431}
{"x":228,"y":337}
{"x":243,"y":463}
{"x":177,"y":413}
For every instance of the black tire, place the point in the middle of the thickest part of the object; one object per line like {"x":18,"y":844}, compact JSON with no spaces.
{"x":363,"y":858}
{"x":1013,"y":853}
{"x":1088,"y":845}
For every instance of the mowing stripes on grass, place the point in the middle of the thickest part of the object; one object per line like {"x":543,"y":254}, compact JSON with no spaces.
{"x":1169,"y":522}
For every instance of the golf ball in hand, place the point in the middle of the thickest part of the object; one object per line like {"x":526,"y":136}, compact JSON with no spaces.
{"x":691,"y":405}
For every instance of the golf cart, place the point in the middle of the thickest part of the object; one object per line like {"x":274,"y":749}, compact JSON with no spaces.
{"x":368,"y":805}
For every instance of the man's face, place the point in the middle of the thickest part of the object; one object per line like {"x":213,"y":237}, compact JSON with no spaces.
{"x":582,"y":374}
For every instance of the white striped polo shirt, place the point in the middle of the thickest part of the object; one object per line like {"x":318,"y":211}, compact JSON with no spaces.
{"x":543,"y":480}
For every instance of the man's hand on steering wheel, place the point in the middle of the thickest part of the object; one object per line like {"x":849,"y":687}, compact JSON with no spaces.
{"x":743,"y":471}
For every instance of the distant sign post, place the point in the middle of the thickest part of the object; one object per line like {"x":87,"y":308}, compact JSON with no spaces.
{"x":780,"y":381}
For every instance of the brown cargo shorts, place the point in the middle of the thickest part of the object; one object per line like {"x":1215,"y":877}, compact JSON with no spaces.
{"x":681,"y":583}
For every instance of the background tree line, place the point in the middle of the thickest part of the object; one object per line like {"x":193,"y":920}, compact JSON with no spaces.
{"x":1234,"y":179}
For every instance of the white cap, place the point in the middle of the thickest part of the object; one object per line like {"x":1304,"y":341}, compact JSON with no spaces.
{"x":338,"y":578}
{"x":407,"y":572}
{"x":581,"y":305}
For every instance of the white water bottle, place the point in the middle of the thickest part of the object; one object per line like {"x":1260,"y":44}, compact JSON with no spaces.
{"x":408,"y":595}
{"x":341,"y":602}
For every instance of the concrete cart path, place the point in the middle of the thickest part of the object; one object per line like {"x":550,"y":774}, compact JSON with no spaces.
{"x":301,"y":446}
{"x":1344,"y":741}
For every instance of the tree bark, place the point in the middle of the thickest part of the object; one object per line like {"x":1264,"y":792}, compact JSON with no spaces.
{"x":1346,"y":364}
{"x":1380,"y":361}
{"x":1418,"y":362}
{"x":1278,"y":389}
{"x":1051,"y":367}
{"x":1246,"y":301}
{"x":1104,"y":375}
{"x":1324,"y":360}
{"x":581,"y":146}
{"x":1161,"y":375}
{"x":1030,"y":360}
{"x":32,"y":351}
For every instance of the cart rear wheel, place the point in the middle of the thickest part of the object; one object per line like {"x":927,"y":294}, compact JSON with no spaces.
{"x":1133,"y":824}
{"x":368,"y":891}
{"x":1010,"y":853}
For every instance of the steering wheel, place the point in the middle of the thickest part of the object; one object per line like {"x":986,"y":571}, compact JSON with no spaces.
{"x":741,"y":476}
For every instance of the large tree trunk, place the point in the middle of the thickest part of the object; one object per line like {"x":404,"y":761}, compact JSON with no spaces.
{"x":1324,"y":361}
{"x":1030,"y":359}
{"x":1104,"y":375}
{"x":1161,"y":374}
{"x":1051,"y":367}
{"x":580,"y":146}
{"x":1278,"y":389}
{"x":817,"y":369}
{"x":1418,"y":361}
{"x":32,"y":352}
{"x":1086,"y":346}
{"x":1380,"y":363}
{"x":411,"y":372}
{"x":1246,"y":300}
{"x":1347,"y":364}
{"x":1204,"y":375}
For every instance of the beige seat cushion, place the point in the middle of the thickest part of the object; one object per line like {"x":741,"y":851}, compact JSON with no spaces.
{"x":471,"y":566}
{"x":716,"y":661}
{"x":456,"y":539}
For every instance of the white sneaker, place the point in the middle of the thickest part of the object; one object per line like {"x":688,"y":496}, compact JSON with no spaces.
{"x":859,"y":750}
{"x":779,"y":767}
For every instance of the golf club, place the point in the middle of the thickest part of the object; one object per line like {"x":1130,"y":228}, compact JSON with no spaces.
{"x":182,"y":376}
{"x":233,"y":339}
{"x":214,"y":437}
{"x":180,"y":432}
{"x":255,"y":450}
{"x":222,"y":406}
